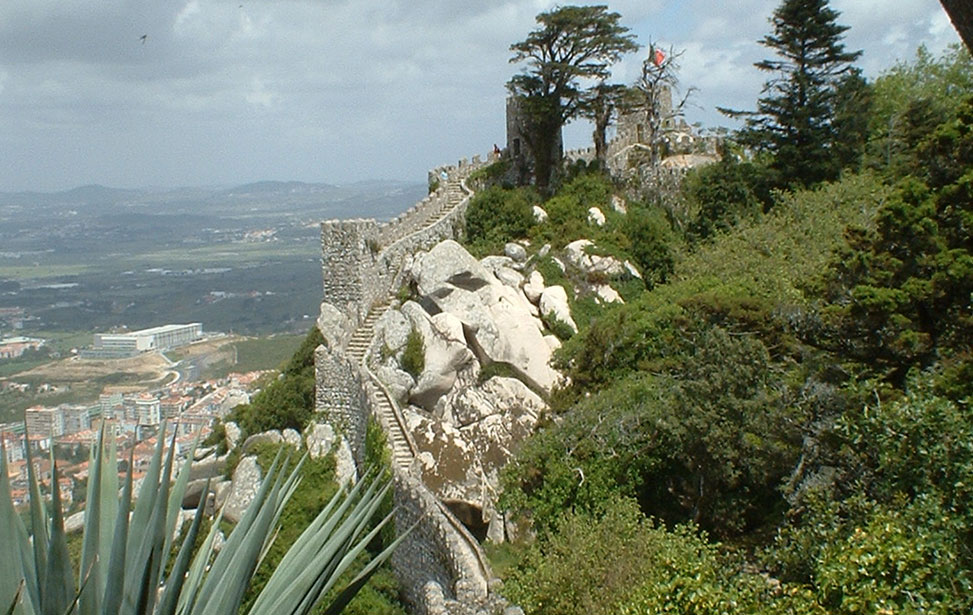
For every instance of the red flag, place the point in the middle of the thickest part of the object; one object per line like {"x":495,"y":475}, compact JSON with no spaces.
{"x":658,"y":57}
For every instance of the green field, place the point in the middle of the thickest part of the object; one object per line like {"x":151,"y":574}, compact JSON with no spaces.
{"x":41,"y":271}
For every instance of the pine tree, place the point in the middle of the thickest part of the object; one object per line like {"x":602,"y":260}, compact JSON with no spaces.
{"x":794,"y":120}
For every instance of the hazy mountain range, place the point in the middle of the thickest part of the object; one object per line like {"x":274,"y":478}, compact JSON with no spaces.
{"x":265,"y":199}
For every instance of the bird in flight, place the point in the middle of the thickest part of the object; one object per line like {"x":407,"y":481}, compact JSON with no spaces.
{"x":143,"y":38}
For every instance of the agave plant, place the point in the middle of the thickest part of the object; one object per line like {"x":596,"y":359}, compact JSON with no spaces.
{"x":126,"y":546}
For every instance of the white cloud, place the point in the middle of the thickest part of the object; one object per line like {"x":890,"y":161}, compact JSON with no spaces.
{"x":332,"y":90}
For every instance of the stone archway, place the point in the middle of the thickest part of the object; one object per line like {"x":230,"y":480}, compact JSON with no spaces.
{"x":470,"y":515}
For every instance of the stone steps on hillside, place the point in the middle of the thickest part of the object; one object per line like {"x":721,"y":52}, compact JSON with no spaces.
{"x":361,"y":339}
{"x":358,"y":345}
{"x":392,"y":422}
{"x":401,"y":453}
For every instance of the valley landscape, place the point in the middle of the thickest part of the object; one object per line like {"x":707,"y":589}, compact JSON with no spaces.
{"x":240,"y":259}
{"x":243,"y":261}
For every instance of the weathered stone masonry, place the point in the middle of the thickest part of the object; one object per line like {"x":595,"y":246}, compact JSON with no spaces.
{"x":338,"y":387}
{"x":439,"y":565}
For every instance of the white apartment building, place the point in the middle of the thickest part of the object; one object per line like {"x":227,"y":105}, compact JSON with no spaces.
{"x":148,"y":410}
{"x":156,"y":338}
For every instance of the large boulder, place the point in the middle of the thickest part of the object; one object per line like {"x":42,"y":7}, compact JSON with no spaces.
{"x":505,"y":269}
{"x":246,"y":483}
{"x":618,"y":204}
{"x":335,"y":326}
{"x":267,"y":437}
{"x":576,"y":253}
{"x":208,"y":467}
{"x":233,"y":434}
{"x":291,"y":437}
{"x":607,"y":294}
{"x":461,"y":462}
{"x":345,"y":470}
{"x":399,"y":382}
{"x":319,"y":438}
{"x":496,"y":318}
{"x":596,"y":217}
{"x":392,"y":330}
{"x":534,"y":286}
{"x":515,"y":251}
{"x":444,"y":353}
{"x":554,"y":306}
{"x":499,"y":395}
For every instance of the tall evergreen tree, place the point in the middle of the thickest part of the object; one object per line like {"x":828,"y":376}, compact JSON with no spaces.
{"x":571,"y":44}
{"x":794,"y":120}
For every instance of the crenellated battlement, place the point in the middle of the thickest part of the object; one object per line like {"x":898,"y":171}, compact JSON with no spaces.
{"x":361,"y":260}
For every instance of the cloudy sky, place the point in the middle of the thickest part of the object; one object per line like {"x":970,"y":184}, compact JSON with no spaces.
{"x":137,"y":93}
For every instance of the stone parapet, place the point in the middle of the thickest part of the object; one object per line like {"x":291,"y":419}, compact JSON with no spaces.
{"x":339,"y":395}
{"x":439,"y":564}
{"x":361,"y":260}
{"x":434,"y":551}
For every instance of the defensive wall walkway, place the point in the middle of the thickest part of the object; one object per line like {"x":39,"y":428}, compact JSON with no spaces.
{"x":441,"y":565}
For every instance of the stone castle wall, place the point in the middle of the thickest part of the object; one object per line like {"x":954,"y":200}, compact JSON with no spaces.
{"x":338,"y":389}
{"x":361,"y":259}
{"x":362,"y":267}
{"x":433,"y":561}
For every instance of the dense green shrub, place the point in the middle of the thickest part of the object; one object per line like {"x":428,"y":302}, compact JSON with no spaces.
{"x":724,"y":194}
{"x":650,"y":243}
{"x":703,"y":436}
{"x":492,"y":174}
{"x":568,"y":210}
{"x":589,"y":565}
{"x":899,"y":295}
{"x":910,"y":100}
{"x":621,"y":562}
{"x":496,"y":216}
{"x":414,"y":357}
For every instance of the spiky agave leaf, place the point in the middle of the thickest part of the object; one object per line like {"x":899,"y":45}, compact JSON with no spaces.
{"x":109,"y":503}
{"x":13,"y":547}
{"x":13,"y":603}
{"x":197,"y":585}
{"x":178,"y":575}
{"x":58,"y":593}
{"x":39,"y":529}
{"x":90,"y":599}
{"x":177,"y":494}
{"x":324,"y":551}
{"x":115,"y":571}
{"x":238,"y":562}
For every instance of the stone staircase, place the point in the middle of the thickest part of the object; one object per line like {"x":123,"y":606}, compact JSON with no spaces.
{"x":404,"y":450}
{"x":455,"y":193}
{"x":361,"y":339}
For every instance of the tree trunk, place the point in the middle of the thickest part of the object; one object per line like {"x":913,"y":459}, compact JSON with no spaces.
{"x":599,"y":137}
{"x":546,"y":151}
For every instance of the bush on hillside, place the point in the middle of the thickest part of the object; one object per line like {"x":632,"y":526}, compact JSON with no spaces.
{"x":724,"y":194}
{"x":650,"y":243}
{"x":496,"y":216}
{"x":899,"y":295}
{"x":704,"y":435}
{"x":414,"y":356}
{"x":621,"y":562}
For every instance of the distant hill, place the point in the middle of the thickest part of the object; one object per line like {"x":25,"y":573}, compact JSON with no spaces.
{"x":264,"y":200}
